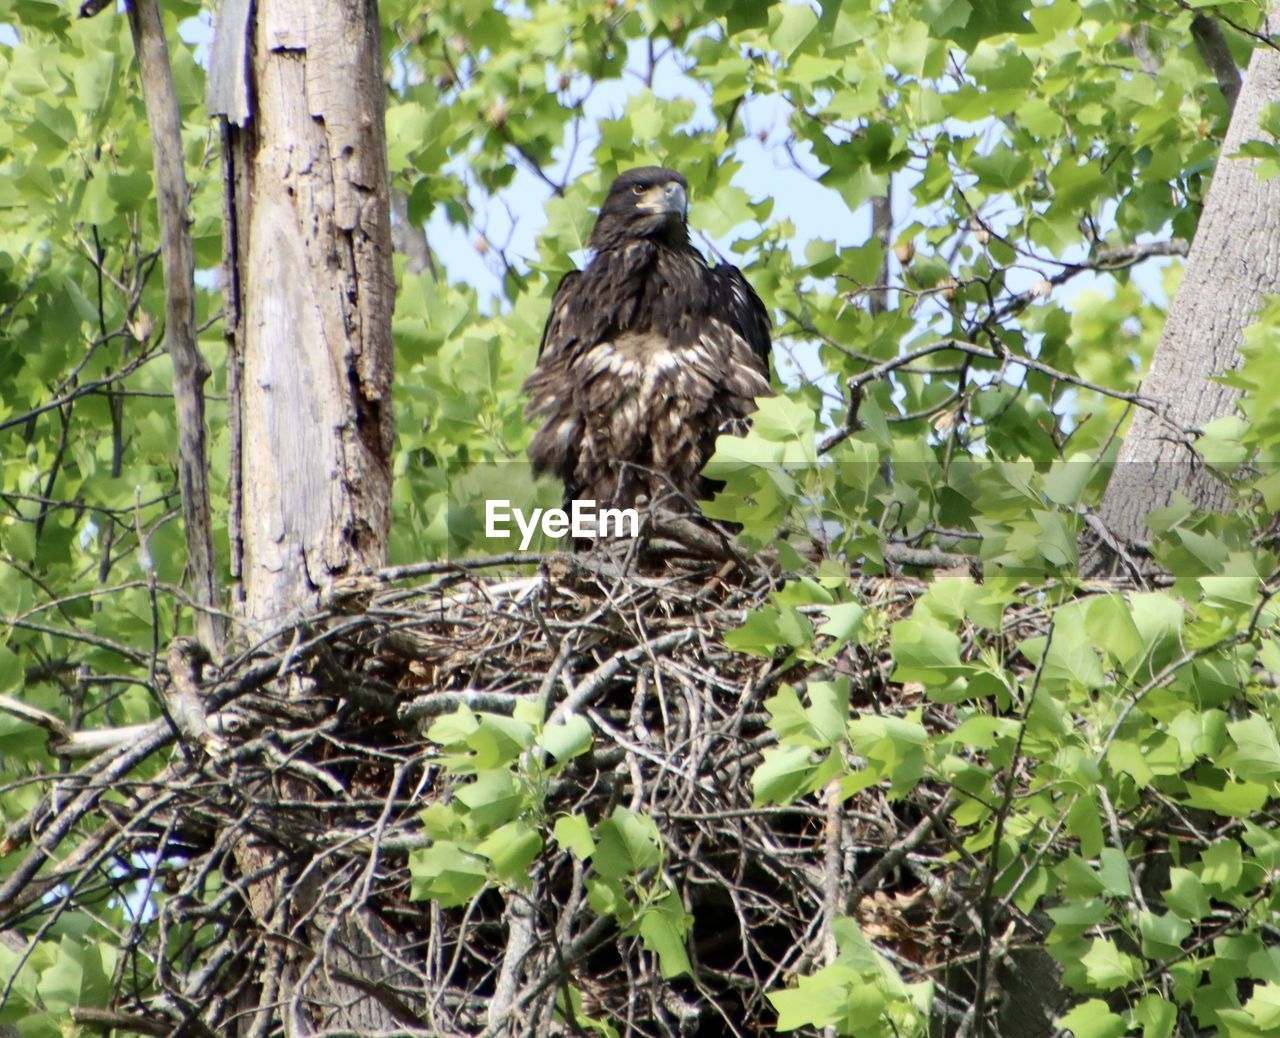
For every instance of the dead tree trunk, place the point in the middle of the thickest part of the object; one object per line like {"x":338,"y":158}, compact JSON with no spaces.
{"x":1234,"y":261}
{"x":313,"y":316}
{"x":310,"y":293}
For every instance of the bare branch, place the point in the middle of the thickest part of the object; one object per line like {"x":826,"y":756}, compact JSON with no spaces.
{"x":190,"y":371}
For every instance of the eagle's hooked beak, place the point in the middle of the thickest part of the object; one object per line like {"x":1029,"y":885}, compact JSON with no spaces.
{"x":666,"y":198}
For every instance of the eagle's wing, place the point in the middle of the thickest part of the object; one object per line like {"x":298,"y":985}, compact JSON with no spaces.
{"x":737,"y":304}
{"x":553,"y":332}
{"x":551,"y":384}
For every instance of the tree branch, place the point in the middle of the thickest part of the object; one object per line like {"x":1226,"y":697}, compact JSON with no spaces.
{"x":1215,"y":53}
{"x":190,"y":371}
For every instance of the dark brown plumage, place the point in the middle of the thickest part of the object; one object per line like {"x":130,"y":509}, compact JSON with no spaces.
{"x":647,"y":356}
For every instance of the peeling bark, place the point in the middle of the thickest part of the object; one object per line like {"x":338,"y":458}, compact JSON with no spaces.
{"x":316,"y":291}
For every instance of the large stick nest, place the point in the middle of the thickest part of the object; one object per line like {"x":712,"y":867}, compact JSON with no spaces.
{"x":268,"y":820}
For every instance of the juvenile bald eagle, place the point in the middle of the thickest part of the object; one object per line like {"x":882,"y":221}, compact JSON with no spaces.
{"x":647,"y":356}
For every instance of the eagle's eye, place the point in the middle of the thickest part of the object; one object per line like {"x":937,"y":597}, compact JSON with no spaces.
{"x":638,"y":189}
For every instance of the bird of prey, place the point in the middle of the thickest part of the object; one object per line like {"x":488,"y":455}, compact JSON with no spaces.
{"x":647,"y":356}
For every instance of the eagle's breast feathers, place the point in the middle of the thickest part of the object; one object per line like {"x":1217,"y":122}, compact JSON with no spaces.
{"x":647,"y":356}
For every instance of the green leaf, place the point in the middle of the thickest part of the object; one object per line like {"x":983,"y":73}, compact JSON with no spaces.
{"x":62,"y":985}
{"x":130,"y":191}
{"x":784,"y":420}
{"x":445,"y":873}
{"x":1107,"y":967}
{"x":909,"y":50}
{"x":1085,"y":823}
{"x":956,"y":599}
{"x":1264,"y":1006}
{"x":783,"y":772}
{"x":1257,"y":753}
{"x":1002,"y":170}
{"x":626,"y":844}
{"x":925,"y":652}
{"x":1071,"y":654}
{"x":453,"y":729}
{"x":529,"y":712}
{"x":573,"y":832}
{"x":1186,"y":897}
{"x":498,"y":740}
{"x":1156,"y":1015}
{"x":663,"y":927}
{"x":1110,"y":624}
{"x":1232,"y":799}
{"x":564,"y":741}
{"x":1076,"y":183}
{"x":608,"y":898}
{"x":1092,"y":1019}
{"x":11,"y":673}
{"x":1066,"y":482}
{"x":493,"y":799}
{"x":444,"y":821}
{"x":407,"y":126}
{"x":1199,"y":733}
{"x":1221,"y":866}
{"x":1162,"y":935}
{"x":828,"y":713}
{"x":1113,"y":870}
{"x":1076,"y":914}
{"x":727,"y":209}
{"x":1265,"y":845}
{"x":769,"y":629}
{"x":815,"y":1001}
{"x":844,"y":621}
{"x":802,"y":592}
{"x":511,"y":849}
{"x":787,"y":716}
{"x":1269,"y":119}
{"x":793,"y":25}
{"x":1157,"y":616}
{"x":894,"y":748}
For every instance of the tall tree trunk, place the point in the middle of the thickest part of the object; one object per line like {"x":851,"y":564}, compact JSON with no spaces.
{"x":1234,"y":261}
{"x":316,"y":294}
{"x":310,"y":294}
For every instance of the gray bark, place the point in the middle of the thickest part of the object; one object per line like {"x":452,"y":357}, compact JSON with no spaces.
{"x":310,"y":292}
{"x":316,"y":291}
{"x":227,"y":88}
{"x":1234,"y":261}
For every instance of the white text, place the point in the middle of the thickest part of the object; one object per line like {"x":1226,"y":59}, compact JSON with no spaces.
{"x":582,"y":520}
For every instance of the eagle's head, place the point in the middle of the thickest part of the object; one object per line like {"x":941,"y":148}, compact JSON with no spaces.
{"x":648,"y":202}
